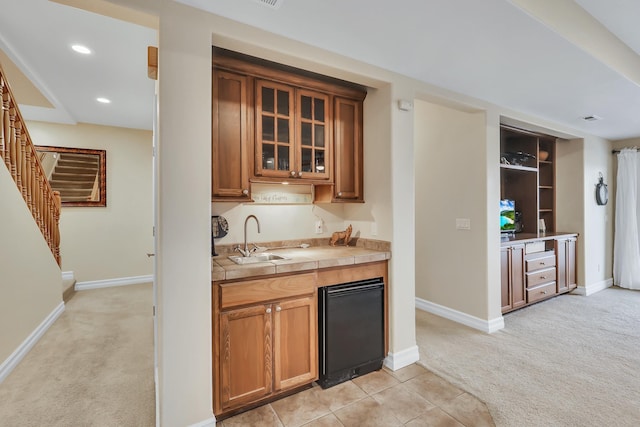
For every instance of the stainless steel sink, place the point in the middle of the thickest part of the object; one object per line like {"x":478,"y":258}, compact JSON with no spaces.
{"x":256,"y":258}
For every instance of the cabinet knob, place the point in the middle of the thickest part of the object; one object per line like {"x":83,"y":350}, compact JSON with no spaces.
{"x":543,"y":277}
{"x":542,"y":263}
{"x":268,"y":310}
{"x":544,"y":292}
{"x":340,"y":194}
{"x":293,"y":174}
{"x":299,"y":174}
{"x":245,"y":191}
{"x":278,"y":308}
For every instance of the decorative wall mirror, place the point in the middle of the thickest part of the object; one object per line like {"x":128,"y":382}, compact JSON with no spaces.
{"x":79,"y":174}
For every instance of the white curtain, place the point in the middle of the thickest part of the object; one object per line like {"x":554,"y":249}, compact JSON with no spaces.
{"x":626,"y":248}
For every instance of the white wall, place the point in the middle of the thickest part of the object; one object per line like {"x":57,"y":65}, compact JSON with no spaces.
{"x":111,"y":242}
{"x":450,"y":175}
{"x":30,"y":279}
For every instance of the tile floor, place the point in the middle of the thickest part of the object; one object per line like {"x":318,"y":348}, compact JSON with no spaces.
{"x":412,"y":396}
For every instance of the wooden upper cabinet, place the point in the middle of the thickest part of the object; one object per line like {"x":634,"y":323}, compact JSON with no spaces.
{"x":348,"y":148}
{"x":273,"y":123}
{"x":292,"y":139}
{"x":230,"y":137}
{"x":313,"y":133}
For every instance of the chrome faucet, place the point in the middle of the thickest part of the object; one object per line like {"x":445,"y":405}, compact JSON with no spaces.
{"x":246,"y":251}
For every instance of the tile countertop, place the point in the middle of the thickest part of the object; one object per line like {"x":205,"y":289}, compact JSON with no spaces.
{"x":301,"y":259}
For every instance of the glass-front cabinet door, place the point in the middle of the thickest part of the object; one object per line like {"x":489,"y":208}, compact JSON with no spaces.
{"x":292,"y":134}
{"x":313,"y":135}
{"x":274,"y":129}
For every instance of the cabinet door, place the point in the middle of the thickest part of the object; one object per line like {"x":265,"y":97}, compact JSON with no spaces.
{"x":348,"y":150}
{"x":505,"y":278}
{"x":274,"y":130}
{"x":245,"y":365}
{"x":566,"y":260}
{"x":572,"y":281}
{"x":230,"y":141}
{"x":518,"y":284}
{"x":313,"y":147}
{"x":295,"y":352}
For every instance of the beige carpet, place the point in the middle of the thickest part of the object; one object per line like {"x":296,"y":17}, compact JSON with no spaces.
{"x":569,"y":361}
{"x":93,"y":367}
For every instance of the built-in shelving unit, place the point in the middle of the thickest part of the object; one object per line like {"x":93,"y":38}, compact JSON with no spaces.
{"x":527,"y":176}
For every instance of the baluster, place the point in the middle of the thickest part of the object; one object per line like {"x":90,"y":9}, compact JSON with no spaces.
{"x":3,"y":150}
{"x":39,"y":197}
{"x":13,"y":155}
{"x":22,"y":163}
{"x":28,"y":179}
{"x":56,"y":225}
{"x":6,"y":128}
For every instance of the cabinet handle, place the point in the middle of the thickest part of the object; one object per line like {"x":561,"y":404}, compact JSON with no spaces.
{"x":543,"y":277}
{"x":268,"y":310}
{"x":245,"y":191}
{"x":278,"y":308}
{"x":544,"y":292}
{"x":542,"y":263}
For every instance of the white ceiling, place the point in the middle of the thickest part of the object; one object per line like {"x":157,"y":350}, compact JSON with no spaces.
{"x":491,"y":50}
{"x":37,"y":35}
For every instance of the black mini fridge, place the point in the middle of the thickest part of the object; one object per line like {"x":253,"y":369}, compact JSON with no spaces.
{"x":350,"y":330}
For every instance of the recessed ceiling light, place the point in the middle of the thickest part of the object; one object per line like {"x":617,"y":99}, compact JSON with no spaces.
{"x":103,"y":100}
{"x":592,"y":118}
{"x":81,"y":49}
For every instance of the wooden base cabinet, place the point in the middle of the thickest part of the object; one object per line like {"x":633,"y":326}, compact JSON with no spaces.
{"x":566,"y":260}
{"x":513,"y":278}
{"x":265,"y":339}
{"x":536,"y":268}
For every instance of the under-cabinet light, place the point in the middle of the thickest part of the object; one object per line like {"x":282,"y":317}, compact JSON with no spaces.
{"x":103,"y":100}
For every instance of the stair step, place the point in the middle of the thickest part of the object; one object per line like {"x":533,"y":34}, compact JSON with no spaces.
{"x":55,"y":184}
{"x":78,"y":163}
{"x":72,"y":177}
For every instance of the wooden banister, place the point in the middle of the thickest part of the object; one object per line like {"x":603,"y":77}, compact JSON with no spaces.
{"x":23,"y":163}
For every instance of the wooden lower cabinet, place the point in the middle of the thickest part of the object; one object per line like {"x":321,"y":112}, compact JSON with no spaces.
{"x":295,"y":341}
{"x":245,"y":341}
{"x":537,"y":269}
{"x":264,"y":347}
{"x":566,"y":259}
{"x":513,"y":278}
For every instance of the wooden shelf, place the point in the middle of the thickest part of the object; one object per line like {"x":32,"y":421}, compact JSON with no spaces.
{"x":519,"y":168}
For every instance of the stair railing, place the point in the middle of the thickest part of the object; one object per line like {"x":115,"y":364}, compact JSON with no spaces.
{"x":21,"y":159}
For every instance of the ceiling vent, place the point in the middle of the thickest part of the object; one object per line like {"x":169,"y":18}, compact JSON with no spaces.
{"x":273,"y":4}
{"x":592,"y":118}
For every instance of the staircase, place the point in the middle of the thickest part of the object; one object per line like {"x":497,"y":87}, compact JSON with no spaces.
{"x":19,"y":156}
{"x":75,"y":176}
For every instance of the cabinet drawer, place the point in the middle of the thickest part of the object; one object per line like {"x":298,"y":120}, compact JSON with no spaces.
{"x":534,"y":247}
{"x":541,"y":262}
{"x":541,"y":276}
{"x":541,"y":292}
{"x":264,"y":290}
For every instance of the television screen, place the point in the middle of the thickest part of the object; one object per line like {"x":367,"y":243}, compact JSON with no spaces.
{"x":507,"y":215}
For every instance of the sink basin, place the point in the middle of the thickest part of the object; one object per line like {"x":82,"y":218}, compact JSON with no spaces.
{"x":256,"y":258}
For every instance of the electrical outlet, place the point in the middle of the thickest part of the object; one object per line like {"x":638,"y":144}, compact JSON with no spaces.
{"x":319,"y":227}
{"x":463,"y":224}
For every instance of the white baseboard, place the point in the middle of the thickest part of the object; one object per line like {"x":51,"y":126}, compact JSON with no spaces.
{"x":12,"y":361}
{"x":67,"y":275}
{"x":108,"y":283}
{"x":487,"y":326}
{"x":593,"y":288}
{"x":395,"y":361}
{"x":211,"y":422}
